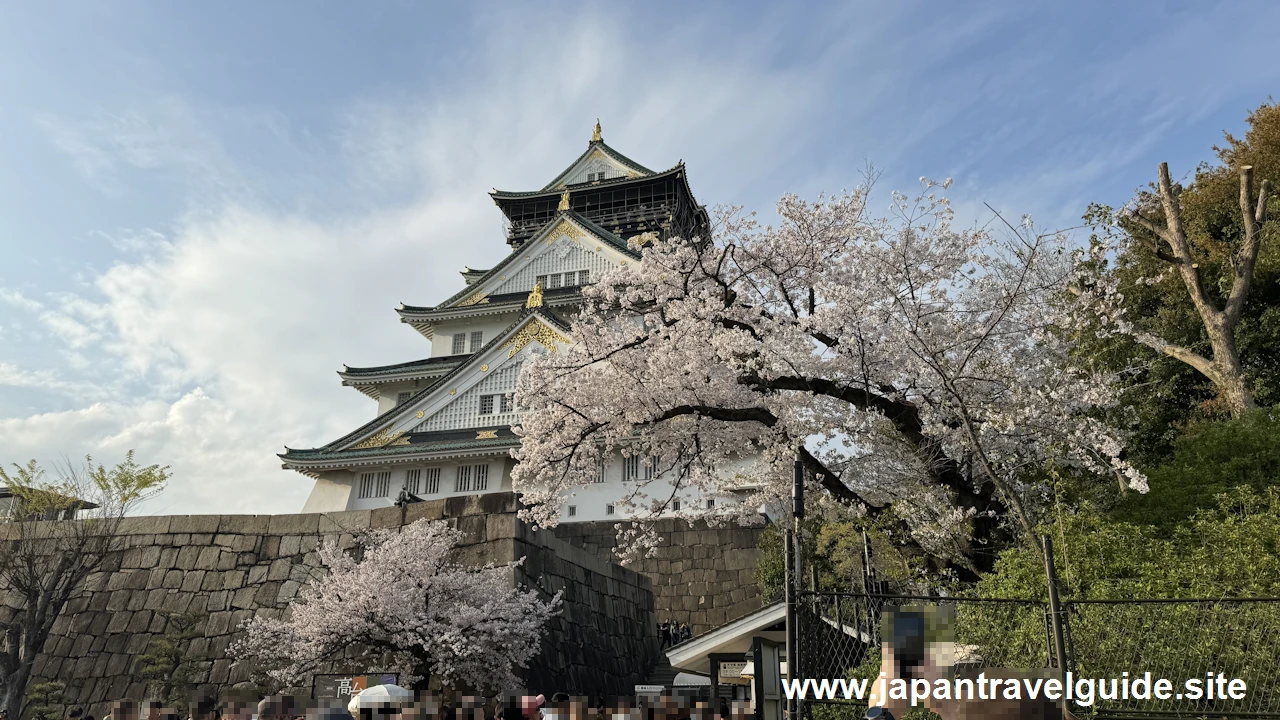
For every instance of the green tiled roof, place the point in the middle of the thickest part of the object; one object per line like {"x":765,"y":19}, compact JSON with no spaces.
{"x":320,"y":454}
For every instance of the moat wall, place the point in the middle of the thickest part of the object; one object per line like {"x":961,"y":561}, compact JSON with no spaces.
{"x":227,"y":569}
{"x":701,"y":575}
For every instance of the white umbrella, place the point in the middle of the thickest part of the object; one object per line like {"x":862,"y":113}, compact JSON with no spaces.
{"x":379,"y":696}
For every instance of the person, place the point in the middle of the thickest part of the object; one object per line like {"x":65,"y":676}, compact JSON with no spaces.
{"x":559,"y":707}
{"x":664,"y":632}
{"x":204,"y":708}
{"x":124,"y":710}
{"x":686,"y":633}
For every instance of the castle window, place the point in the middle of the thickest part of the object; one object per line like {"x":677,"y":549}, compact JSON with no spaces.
{"x":477,"y":338}
{"x":459,"y":343}
{"x":472,"y":478}
{"x":553,"y":281}
{"x":601,"y":468}
{"x":413,"y":481}
{"x":542,"y":280}
{"x":486,"y":404}
{"x":675,"y":505}
{"x":374,"y":484}
{"x":402,"y":398}
{"x":711,"y":503}
{"x":432,"y":485}
{"x":608,"y":509}
{"x":584,"y":277}
{"x":573,"y":510}
{"x":631,"y":468}
{"x":508,"y":403}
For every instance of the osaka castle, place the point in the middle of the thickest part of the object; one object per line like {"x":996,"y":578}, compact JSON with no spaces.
{"x":443,"y":423}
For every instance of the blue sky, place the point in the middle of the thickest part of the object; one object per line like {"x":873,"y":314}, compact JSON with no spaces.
{"x":207,"y":208}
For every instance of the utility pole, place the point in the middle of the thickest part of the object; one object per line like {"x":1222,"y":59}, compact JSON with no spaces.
{"x":794,"y":652}
{"x":1056,"y":618}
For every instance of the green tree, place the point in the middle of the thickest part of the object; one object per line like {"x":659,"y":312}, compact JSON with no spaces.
{"x":44,"y":700}
{"x":1198,"y":278}
{"x":45,"y":556}
{"x":165,"y":663}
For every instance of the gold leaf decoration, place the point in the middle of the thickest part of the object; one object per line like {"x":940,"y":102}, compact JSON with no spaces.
{"x":487,"y":435}
{"x":534,"y":331}
{"x":484,"y":368}
{"x":383,"y":438}
{"x":480,"y":298}
{"x":566,"y":228}
{"x":419,"y":414}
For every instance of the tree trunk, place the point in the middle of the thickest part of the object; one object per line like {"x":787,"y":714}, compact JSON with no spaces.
{"x":1230,"y":380}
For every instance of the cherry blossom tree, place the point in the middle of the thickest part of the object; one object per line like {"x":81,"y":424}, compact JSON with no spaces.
{"x":407,"y":606}
{"x":915,"y":368}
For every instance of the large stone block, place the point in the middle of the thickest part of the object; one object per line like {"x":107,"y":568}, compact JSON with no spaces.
{"x":244,"y":524}
{"x":194,"y":524}
{"x":294,"y":524}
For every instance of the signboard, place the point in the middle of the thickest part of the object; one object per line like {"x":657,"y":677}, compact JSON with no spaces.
{"x":650,"y":689}
{"x":342,"y":687}
{"x":732,"y":669}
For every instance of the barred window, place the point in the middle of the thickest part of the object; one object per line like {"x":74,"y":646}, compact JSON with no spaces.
{"x":472,"y":478}
{"x":608,"y":509}
{"x":711,"y":503}
{"x":584,"y":277}
{"x":432,"y":484}
{"x":573,"y":510}
{"x":508,"y":403}
{"x":486,"y":404}
{"x":675,"y":505}
{"x":402,"y":398}
{"x":542,"y":280}
{"x":459,"y":343}
{"x":553,"y":281}
{"x":631,"y":467}
{"x":477,"y":340}
{"x":384,"y":483}
{"x":365,"y":490}
{"x":601,"y":468}
{"x":413,"y":481}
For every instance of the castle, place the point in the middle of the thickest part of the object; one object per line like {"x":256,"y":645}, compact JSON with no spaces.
{"x":443,"y":423}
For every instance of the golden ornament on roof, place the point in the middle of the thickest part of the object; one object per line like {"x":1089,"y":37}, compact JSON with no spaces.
{"x":564,"y":201}
{"x":535,"y":296}
{"x":595,"y":134}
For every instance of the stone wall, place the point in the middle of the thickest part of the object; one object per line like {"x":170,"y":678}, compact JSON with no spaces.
{"x":702,"y":575}
{"x":227,"y":569}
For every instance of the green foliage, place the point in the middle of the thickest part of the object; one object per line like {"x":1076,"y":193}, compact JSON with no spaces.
{"x":1164,"y":393}
{"x":44,"y":700}
{"x":1209,"y":458}
{"x":113,"y":491}
{"x":164,"y":663}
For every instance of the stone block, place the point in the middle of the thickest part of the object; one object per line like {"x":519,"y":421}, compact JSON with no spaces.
{"x":294,"y":524}
{"x":176,"y":602}
{"x":386,"y":518}
{"x":266,"y":594}
{"x":188,"y":557}
{"x":233,"y":579}
{"x":217,"y":601}
{"x":172,"y":578}
{"x":243,"y":598}
{"x":140,"y":622}
{"x":227,"y":560}
{"x":194,"y":524}
{"x":290,"y":545}
{"x":244,"y":524}
{"x":208,"y":559}
{"x":168,"y":557}
{"x":279,"y":569}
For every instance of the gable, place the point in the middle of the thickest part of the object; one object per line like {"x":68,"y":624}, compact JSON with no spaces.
{"x":454,"y":401}
{"x":598,"y":164}
{"x":564,"y":246}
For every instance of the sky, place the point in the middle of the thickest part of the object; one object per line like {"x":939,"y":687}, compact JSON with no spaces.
{"x":206,"y":209}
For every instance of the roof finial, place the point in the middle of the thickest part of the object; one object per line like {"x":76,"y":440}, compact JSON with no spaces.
{"x":564,"y":202}
{"x":595,"y":134}
{"x":535,"y":296}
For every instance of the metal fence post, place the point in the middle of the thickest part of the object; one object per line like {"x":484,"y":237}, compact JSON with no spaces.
{"x":789,"y":597}
{"x":1055,"y":606}
{"x":795,"y":652}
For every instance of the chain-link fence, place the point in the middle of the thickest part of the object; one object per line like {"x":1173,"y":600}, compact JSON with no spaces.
{"x":839,"y":635}
{"x":1209,"y":642}
{"x":1181,"y":640}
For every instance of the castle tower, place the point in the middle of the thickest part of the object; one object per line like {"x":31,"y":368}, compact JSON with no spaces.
{"x":443,"y":424}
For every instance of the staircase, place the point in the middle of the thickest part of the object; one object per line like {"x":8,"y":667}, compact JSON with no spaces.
{"x":662,"y":674}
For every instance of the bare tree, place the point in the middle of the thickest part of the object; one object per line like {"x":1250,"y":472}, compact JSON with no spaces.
{"x":58,"y":532}
{"x":1168,"y":241}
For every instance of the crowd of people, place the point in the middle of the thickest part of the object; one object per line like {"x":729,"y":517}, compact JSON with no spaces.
{"x":561,"y":706}
{"x":673,"y":633}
